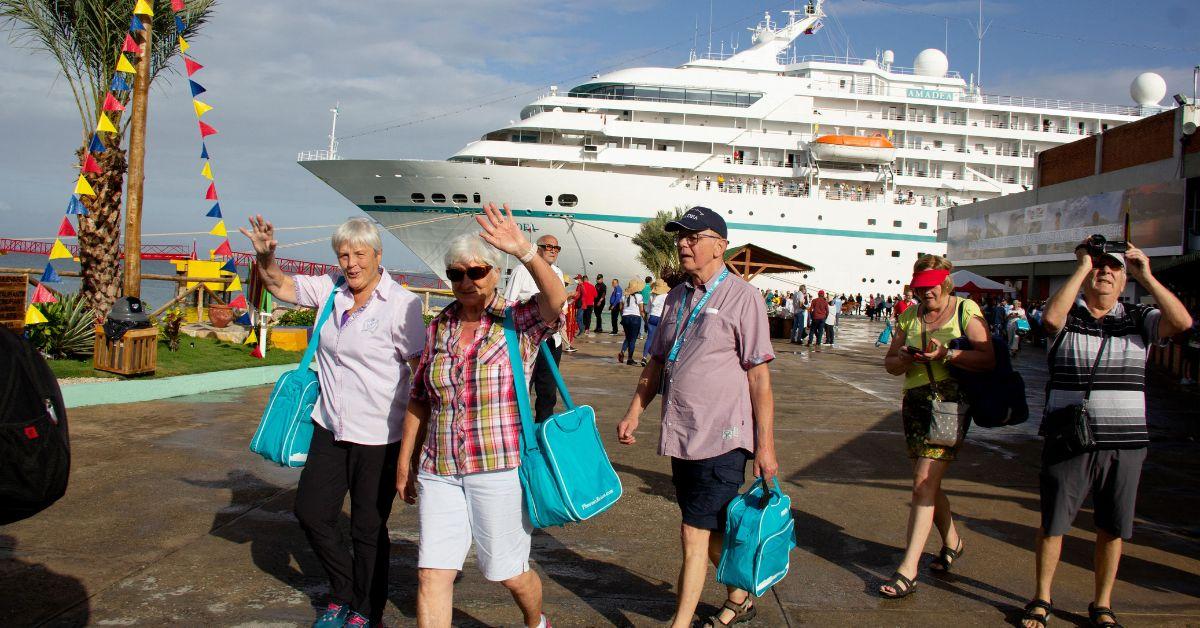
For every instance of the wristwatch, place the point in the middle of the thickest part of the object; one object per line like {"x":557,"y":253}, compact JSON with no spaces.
{"x":950,"y":355}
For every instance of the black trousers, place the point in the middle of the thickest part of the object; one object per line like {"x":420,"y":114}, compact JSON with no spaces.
{"x":368,"y":473}
{"x":599,"y":311}
{"x":615,"y":319}
{"x":543,"y":383}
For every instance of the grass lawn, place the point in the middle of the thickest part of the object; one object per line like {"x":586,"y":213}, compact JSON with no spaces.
{"x":206,"y":356}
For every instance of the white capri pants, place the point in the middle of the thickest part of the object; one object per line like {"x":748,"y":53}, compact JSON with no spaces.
{"x":487,"y":507}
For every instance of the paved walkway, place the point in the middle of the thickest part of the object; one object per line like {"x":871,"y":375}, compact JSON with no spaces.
{"x":170,"y":520}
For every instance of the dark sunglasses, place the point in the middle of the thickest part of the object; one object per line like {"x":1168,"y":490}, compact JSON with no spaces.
{"x":475,"y":273}
{"x":550,"y":247}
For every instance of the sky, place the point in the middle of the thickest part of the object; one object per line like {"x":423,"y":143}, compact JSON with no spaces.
{"x":420,"y":79}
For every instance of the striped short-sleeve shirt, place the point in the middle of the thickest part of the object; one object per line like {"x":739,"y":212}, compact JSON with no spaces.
{"x":1118,"y":401}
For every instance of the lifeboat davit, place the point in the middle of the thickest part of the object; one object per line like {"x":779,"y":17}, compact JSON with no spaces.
{"x":853,"y":149}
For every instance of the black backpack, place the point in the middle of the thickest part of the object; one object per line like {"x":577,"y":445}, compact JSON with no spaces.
{"x":35,"y":456}
{"x":995,"y":398}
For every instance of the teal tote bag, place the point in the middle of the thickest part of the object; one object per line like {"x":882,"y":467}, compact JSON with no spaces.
{"x":760,"y":534}
{"x":565,"y":473}
{"x":286,"y":427}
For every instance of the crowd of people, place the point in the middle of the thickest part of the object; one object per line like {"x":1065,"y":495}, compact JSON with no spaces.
{"x":429,"y":411}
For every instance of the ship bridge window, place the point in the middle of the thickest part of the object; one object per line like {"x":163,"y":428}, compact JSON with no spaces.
{"x":568,"y":200}
{"x":439,"y":198}
{"x":380,"y":199}
{"x":459,"y":198}
{"x":417,"y":197}
{"x":665,"y":94}
{"x":524,"y":138}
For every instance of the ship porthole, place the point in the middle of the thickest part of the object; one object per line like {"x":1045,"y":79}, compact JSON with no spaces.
{"x":439,"y":198}
{"x":616,"y":235}
{"x":549,"y":200}
{"x":417,"y":198}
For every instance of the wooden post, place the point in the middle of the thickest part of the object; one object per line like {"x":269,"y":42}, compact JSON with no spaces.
{"x":137,"y":159}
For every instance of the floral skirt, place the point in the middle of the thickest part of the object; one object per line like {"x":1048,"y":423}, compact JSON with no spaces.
{"x":917,"y":411}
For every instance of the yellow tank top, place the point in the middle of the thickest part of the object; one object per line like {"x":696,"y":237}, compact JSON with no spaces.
{"x":910,"y":323}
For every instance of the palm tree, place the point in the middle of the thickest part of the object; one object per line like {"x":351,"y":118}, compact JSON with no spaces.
{"x":84,"y":37}
{"x":657,"y":247}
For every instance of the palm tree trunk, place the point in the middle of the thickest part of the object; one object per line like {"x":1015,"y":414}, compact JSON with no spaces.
{"x":100,"y":233}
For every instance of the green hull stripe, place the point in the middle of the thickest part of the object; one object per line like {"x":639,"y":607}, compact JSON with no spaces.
{"x":535,"y":213}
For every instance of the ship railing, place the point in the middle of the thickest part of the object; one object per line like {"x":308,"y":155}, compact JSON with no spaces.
{"x":894,"y":69}
{"x":644,"y":99}
{"x":961,"y":149}
{"x":1054,"y":103}
{"x":316,"y":155}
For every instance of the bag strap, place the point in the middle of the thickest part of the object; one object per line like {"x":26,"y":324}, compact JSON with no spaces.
{"x":928,"y":367}
{"x":520,"y":386}
{"x":313,"y":342}
{"x":558,"y":380}
{"x":1087,"y":393}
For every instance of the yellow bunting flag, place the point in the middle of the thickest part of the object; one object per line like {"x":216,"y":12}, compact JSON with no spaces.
{"x":34,"y":316}
{"x":201,"y":108}
{"x":83,"y":188}
{"x":207,"y":171}
{"x":143,"y":8}
{"x":252,"y":339}
{"x":235,"y":285}
{"x":219,"y":230}
{"x":60,"y":251}
{"x":183,"y":45}
{"x":105,"y":124}
{"x":125,"y":66}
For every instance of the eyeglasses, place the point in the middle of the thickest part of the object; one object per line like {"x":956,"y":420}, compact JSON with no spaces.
{"x":475,"y":273}
{"x":550,"y":247}
{"x":692,"y":239}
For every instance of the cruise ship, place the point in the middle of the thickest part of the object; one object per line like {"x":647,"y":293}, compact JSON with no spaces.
{"x":836,"y":162}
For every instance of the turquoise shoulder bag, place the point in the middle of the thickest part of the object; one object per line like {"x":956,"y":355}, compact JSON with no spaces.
{"x":565,"y":473}
{"x":760,"y":534}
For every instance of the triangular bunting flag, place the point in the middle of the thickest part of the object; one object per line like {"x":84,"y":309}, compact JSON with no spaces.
{"x":201,"y":108}
{"x":252,"y":339}
{"x":96,"y":146}
{"x":230,"y":266}
{"x":123,"y":65}
{"x":203,"y":150}
{"x":60,"y":251}
{"x":206,"y":130}
{"x":43,"y":295}
{"x":197,"y":88}
{"x":215,"y":212}
{"x":105,"y":125}
{"x":83,"y":188}
{"x":89,"y":164}
{"x":76,"y":207}
{"x":183,"y":45}
{"x":50,"y":275}
{"x":33,"y":316}
{"x":65,"y":229}
{"x":180,"y":25}
{"x":256,"y":353}
{"x":143,"y":8}
{"x":112,"y":104}
{"x":131,"y":45}
{"x":207,"y":171}
{"x":223,"y":250}
{"x":119,"y":84}
{"x":192,"y":66}
{"x":235,"y":285}
{"x":211,"y":194}
{"x":136,"y":25}
{"x":219,"y":230}
{"x":244,"y":319}
{"x":177,"y":5}
{"x":239,"y":302}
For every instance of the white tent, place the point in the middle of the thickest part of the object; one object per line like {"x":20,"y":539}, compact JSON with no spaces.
{"x":967,"y":281}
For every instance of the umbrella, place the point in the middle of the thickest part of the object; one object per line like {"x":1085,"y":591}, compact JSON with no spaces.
{"x":967,"y":281}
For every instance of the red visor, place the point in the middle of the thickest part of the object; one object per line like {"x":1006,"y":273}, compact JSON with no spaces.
{"x":928,"y":278}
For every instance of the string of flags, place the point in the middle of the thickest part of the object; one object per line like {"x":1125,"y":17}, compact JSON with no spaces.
{"x":115,"y":102}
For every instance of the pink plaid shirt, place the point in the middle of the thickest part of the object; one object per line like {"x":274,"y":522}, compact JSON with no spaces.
{"x":474,"y":420}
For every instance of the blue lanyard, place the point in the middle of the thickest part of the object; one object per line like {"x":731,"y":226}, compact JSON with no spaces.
{"x":679,"y":337}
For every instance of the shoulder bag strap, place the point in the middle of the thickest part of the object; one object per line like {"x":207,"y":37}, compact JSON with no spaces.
{"x":520,"y":386}
{"x":1087,"y":393}
{"x":313,"y":342}
{"x":558,"y":380}
{"x":928,"y":367}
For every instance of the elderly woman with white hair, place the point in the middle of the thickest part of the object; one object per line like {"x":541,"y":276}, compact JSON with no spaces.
{"x":462,"y":434}
{"x":367,"y":350}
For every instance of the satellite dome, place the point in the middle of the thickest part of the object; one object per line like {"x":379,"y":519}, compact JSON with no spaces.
{"x":870,"y":64}
{"x":889,"y":57}
{"x":1148,"y":89}
{"x":931,"y":62}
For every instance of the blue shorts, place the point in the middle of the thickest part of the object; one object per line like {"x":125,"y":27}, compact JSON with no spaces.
{"x":703,"y":488}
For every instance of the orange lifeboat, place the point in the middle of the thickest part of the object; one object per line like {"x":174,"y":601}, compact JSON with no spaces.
{"x":874,"y":149}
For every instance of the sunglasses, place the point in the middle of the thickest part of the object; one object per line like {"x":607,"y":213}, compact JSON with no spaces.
{"x":550,"y":247}
{"x":475,"y":273}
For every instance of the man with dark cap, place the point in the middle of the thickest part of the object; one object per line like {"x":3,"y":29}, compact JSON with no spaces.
{"x":709,"y":361}
{"x":598,"y":306}
{"x":819,"y":311}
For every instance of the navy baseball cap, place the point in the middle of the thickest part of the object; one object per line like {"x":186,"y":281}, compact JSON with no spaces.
{"x":699,"y":219}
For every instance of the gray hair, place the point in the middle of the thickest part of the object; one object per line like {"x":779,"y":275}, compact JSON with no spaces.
{"x":469,"y":247}
{"x":357,"y":232}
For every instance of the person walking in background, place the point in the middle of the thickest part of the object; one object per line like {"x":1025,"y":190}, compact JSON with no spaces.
{"x":461,"y":443}
{"x":904,"y":304}
{"x":647,"y":285}
{"x":633,"y":315}
{"x":920,"y":352}
{"x":584,"y":304}
{"x":521,"y":288}
{"x":799,"y":315}
{"x":831,"y":322}
{"x":368,"y":348}
{"x":615,"y":305}
{"x":709,"y":359}
{"x":598,"y":306}
{"x":1015,"y":313}
{"x":659,"y":291}
{"x":1097,"y":333}
{"x":571,"y":327}
{"x":819,"y":311}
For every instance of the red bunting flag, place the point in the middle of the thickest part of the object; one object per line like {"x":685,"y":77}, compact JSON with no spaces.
{"x":177,"y":5}
{"x":211,"y":194}
{"x":223,"y":249}
{"x":65,"y":229}
{"x":131,"y":45}
{"x":90,"y":166}
{"x":192,"y":66}
{"x":112,"y":104}
{"x":257,"y":352}
{"x":206,"y":130}
{"x":239,"y":302}
{"x":43,"y":295}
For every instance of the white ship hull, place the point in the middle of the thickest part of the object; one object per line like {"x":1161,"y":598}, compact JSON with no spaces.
{"x":832,"y":236}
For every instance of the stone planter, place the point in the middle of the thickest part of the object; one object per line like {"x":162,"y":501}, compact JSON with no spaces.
{"x":220,"y":315}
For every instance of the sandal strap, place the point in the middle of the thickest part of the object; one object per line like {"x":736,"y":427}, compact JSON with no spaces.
{"x":1096,"y":612}
{"x":738,"y":608}
{"x":1040,"y":603}
{"x":900,"y":579}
